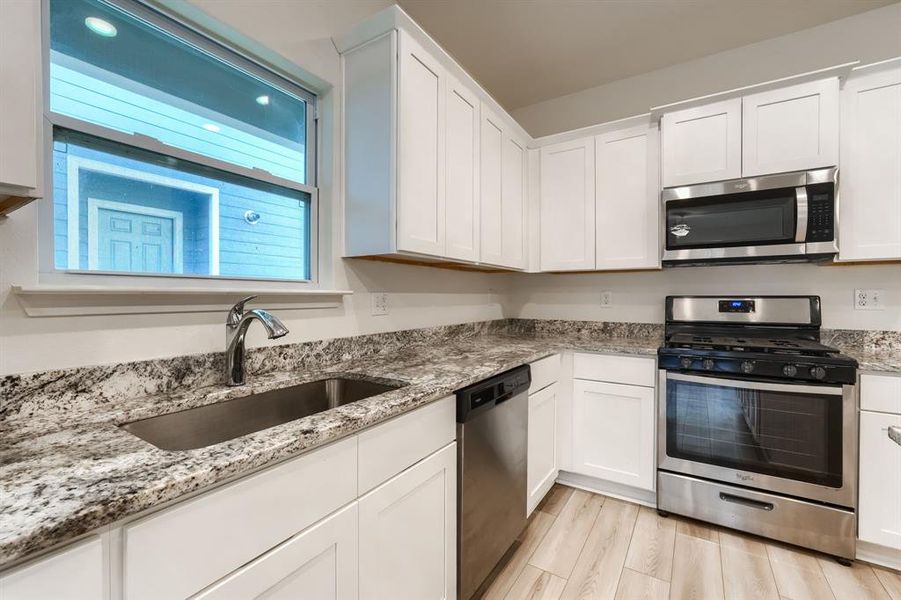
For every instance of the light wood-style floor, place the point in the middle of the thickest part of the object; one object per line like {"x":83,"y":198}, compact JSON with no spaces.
{"x":583,"y":545}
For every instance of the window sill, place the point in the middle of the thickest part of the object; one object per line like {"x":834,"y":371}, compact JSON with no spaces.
{"x":63,"y":300}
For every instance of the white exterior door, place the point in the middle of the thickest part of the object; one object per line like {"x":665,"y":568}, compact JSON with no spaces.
{"x":462,"y":174}
{"x":420,"y":150}
{"x":702,"y":144}
{"x":790,"y":129}
{"x":879,"y":519}
{"x":542,"y":454}
{"x":613,"y":432}
{"x":320,"y":562}
{"x":408,"y":532}
{"x":870,"y":219}
{"x":567,"y":206}
{"x":628,"y":199}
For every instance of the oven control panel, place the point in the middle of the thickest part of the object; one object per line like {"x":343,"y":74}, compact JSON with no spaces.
{"x":758,"y":365}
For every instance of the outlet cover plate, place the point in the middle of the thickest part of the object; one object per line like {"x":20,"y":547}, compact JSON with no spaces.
{"x":868,"y":299}
{"x":606,"y":299}
{"x":379,"y":304}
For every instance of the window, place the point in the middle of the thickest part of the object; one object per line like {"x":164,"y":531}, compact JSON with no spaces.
{"x":172,"y":155}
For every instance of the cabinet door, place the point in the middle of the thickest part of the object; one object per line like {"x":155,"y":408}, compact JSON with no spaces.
{"x":513,"y":204}
{"x":462,"y":175}
{"x":320,"y":563}
{"x":408,"y":532}
{"x":613,"y":432}
{"x":628,"y":197}
{"x":76,"y":573}
{"x":702,"y":143}
{"x":567,"y":206}
{"x":20,"y":95}
{"x":870,"y":219}
{"x":542,"y":456}
{"x":790,"y":129}
{"x":879,"y":519}
{"x":491,"y":199}
{"x":420,"y":150}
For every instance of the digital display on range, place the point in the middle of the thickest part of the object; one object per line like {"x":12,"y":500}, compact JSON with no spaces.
{"x":736,"y":306}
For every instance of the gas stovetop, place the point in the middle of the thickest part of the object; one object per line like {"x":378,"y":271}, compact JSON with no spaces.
{"x":774,"y":338}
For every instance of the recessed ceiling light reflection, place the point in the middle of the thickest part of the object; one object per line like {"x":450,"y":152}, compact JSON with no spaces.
{"x":263,"y":100}
{"x":101,"y":27}
{"x":211,"y":127}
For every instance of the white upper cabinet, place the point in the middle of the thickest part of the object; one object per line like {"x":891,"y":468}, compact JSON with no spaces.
{"x":793,"y":128}
{"x":20,"y":97}
{"x":870,"y":209}
{"x":462,"y":176}
{"x":421,"y":148}
{"x":503,"y":193}
{"x":627,"y":208}
{"x":567,"y":206}
{"x":702,"y":143}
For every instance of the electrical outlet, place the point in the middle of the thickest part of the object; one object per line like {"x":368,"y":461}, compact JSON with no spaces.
{"x":606,"y":299}
{"x":379,"y":302}
{"x":868,"y":299}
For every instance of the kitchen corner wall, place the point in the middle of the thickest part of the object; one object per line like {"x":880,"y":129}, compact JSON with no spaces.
{"x":638,"y":296}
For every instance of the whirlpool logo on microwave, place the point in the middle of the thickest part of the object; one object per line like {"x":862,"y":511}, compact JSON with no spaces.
{"x":680,"y":230}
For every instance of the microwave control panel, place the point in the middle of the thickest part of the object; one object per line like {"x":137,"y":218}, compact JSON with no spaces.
{"x":821,"y":213}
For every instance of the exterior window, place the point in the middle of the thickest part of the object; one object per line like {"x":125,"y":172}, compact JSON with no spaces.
{"x":173,"y":155}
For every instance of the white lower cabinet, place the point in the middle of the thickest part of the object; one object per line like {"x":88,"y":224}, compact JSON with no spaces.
{"x":319,"y":563}
{"x":542,"y":453}
{"x":613,"y":432}
{"x":408,"y":533}
{"x":76,"y":573}
{"x":879,"y":504}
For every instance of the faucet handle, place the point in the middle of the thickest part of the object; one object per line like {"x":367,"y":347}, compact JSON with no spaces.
{"x":234,"y":315}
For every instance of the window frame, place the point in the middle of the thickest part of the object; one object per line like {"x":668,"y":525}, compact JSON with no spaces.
{"x":178,"y":27}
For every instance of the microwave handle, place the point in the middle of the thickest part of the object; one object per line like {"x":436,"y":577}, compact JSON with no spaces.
{"x":801,"y":225}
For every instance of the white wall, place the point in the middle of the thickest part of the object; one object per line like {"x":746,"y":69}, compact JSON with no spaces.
{"x":638,"y":296}
{"x":299,"y":32}
{"x":868,"y":37}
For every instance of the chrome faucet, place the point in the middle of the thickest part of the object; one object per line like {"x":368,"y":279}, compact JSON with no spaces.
{"x":236,"y":328}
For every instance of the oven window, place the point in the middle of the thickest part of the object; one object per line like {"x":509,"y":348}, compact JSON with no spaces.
{"x":754,"y":219}
{"x":788,"y":435}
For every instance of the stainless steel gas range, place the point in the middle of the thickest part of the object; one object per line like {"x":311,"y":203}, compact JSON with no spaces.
{"x":757,"y":420}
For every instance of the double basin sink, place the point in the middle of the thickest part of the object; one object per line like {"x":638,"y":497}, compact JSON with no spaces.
{"x":222,"y":421}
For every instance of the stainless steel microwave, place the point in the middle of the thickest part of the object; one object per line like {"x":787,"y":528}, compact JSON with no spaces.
{"x":775,"y":218}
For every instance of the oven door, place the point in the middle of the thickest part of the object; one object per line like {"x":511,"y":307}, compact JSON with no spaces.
{"x":764,"y":223}
{"x":793,"y":439}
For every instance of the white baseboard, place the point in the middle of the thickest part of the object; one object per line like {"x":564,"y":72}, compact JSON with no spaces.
{"x":608,"y":488}
{"x":879,"y":555}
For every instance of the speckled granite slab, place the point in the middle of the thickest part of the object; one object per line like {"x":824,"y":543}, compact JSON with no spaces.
{"x":874,"y":350}
{"x":68,"y":470}
{"x":895,"y":434}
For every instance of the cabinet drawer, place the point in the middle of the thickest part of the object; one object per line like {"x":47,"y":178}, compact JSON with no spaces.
{"x":881,"y":393}
{"x":615,"y":369}
{"x":389,"y":448}
{"x":75,"y":573}
{"x":181,"y":550}
{"x":545,"y":371}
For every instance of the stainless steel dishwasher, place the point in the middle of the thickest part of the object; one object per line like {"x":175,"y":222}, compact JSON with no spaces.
{"x":492,"y":430}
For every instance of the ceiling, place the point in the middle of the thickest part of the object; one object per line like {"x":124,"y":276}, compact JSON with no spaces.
{"x":527,"y":51}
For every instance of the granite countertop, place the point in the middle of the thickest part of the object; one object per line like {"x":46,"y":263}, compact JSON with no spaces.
{"x":67,"y":472}
{"x":894,"y":434}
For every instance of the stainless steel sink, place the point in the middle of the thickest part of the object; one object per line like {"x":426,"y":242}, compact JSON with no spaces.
{"x":222,"y":421}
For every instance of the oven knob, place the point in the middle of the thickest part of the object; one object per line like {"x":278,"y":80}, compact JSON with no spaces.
{"x":789,"y":370}
{"x":747,"y":366}
{"x":817,"y":372}
{"x":685,"y":362}
{"x":708,"y":364}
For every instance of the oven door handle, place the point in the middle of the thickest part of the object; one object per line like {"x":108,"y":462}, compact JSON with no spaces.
{"x":757,"y":385}
{"x":801,"y":222}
